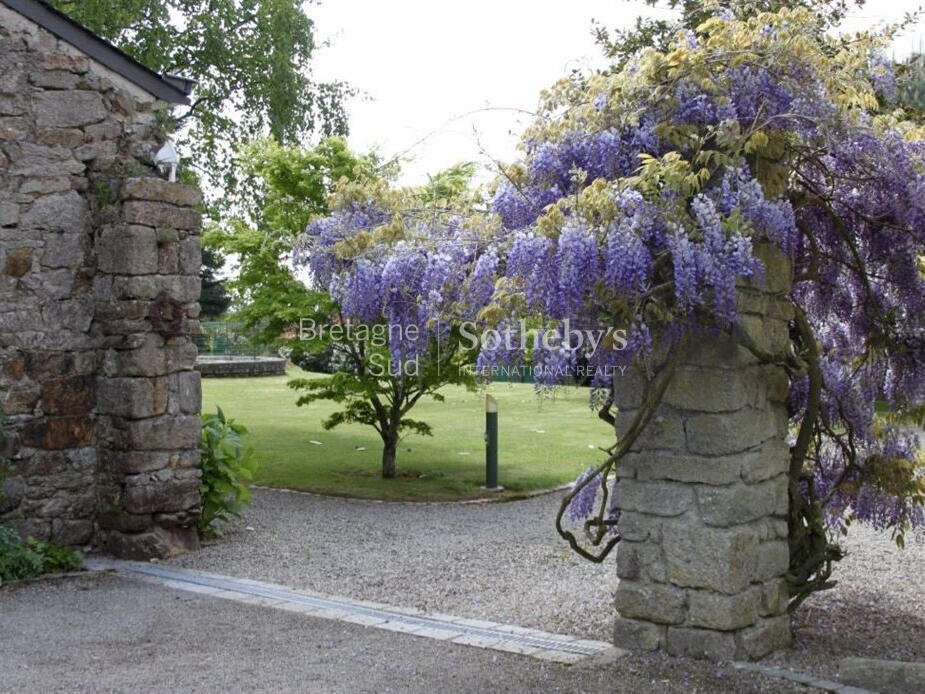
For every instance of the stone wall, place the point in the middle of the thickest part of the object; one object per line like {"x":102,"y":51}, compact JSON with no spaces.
{"x":704,"y":496}
{"x":99,"y":265}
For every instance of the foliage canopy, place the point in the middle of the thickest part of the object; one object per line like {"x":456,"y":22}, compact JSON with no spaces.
{"x":403,"y":269}
{"x":251,"y":61}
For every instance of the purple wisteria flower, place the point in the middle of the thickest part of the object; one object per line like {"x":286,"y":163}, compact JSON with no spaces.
{"x":583,"y":503}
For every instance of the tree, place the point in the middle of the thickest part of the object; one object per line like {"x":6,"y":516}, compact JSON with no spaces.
{"x":251,"y":60}
{"x":639,"y":202}
{"x":293,"y":185}
{"x":621,"y":45}
{"x":404,"y":273}
{"x":911,"y":86}
{"x":214,"y":299}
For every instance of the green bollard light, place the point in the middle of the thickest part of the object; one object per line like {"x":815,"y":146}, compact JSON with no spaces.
{"x":491,"y":445}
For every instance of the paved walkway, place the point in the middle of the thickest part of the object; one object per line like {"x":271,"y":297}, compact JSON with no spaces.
{"x":495,"y":562}
{"x":504,"y":563}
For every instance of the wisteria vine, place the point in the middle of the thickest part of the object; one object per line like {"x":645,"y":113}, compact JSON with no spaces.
{"x":640,"y":201}
{"x":403,"y":271}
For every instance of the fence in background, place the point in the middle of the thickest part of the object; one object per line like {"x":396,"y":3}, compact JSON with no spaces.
{"x":221,"y":338}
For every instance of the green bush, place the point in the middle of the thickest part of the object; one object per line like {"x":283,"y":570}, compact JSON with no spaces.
{"x":16,"y":559}
{"x":227,"y":467}
{"x":20,"y":559}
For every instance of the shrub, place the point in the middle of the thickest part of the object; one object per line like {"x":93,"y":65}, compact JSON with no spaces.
{"x":315,"y":362}
{"x":19,"y":560}
{"x":227,"y":467}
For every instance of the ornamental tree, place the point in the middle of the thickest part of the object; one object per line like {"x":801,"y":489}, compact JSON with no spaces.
{"x":403,"y":269}
{"x":640,"y":200}
{"x":214,"y":299}
{"x":622,"y":45}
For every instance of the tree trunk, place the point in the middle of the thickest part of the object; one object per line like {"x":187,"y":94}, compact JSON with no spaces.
{"x":388,"y":455}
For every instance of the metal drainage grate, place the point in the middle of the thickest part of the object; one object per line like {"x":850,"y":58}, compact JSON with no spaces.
{"x":527,"y":639}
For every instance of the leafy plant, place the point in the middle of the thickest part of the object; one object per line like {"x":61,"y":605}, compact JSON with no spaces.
{"x":55,"y":558}
{"x":620,"y":45}
{"x":227,"y":467}
{"x":645,"y":193}
{"x":911,"y":84}
{"x":214,"y":299}
{"x":19,"y":559}
{"x":104,"y":197}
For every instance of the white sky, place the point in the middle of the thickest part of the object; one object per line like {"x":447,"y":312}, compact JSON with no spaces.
{"x":424,"y":64}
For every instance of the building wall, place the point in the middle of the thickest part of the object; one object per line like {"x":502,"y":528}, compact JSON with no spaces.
{"x":99,"y":283}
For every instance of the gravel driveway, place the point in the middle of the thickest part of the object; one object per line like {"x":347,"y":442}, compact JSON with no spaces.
{"x":497,"y":561}
{"x":109,"y":634}
{"x":877,"y":609}
{"x":504,"y":562}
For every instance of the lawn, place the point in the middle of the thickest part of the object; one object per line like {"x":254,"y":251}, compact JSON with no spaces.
{"x":543,"y":442}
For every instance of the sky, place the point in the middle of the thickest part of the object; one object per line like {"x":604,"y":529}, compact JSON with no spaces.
{"x":443,"y":82}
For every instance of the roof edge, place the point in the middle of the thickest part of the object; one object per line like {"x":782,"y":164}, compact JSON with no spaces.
{"x":174,"y":90}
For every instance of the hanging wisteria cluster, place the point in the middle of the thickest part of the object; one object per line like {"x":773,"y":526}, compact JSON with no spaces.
{"x":641,"y":197}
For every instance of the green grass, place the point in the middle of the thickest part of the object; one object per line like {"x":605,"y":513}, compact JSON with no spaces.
{"x":543,"y":442}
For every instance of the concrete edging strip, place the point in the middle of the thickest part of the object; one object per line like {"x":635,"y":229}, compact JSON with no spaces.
{"x":470,"y":632}
{"x":801,"y":678}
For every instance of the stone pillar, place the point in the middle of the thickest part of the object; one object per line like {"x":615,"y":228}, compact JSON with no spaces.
{"x":148,"y":394}
{"x":704,"y":498}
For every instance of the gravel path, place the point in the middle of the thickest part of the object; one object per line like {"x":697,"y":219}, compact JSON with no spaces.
{"x":877,"y":610}
{"x":497,"y":561}
{"x":503,"y":562}
{"x":104,"y":633}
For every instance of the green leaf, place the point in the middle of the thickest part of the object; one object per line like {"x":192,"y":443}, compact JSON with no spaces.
{"x":226,"y":467}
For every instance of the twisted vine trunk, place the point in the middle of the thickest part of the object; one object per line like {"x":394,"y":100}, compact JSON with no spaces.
{"x":811,"y":553}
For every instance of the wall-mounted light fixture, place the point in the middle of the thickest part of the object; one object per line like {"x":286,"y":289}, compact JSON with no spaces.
{"x":168,"y":158}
